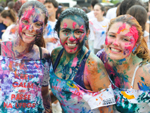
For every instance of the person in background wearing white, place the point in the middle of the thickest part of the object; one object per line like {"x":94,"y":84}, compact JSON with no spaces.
{"x":51,"y":38}
{"x":90,"y":16}
{"x":111,"y":13}
{"x":98,"y":27}
{"x":91,"y":13}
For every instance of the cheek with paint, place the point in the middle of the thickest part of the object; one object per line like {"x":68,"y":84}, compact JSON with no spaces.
{"x":128,"y":47}
{"x":108,"y":41}
{"x":39,"y":33}
{"x":63,"y":43}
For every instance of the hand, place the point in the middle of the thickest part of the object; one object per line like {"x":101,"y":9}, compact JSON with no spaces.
{"x":3,"y":30}
{"x":53,"y":40}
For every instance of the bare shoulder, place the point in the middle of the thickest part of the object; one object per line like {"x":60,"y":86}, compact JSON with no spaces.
{"x":94,"y":60}
{"x":96,"y":73}
{"x":55,"y":53}
{"x":144,"y":72}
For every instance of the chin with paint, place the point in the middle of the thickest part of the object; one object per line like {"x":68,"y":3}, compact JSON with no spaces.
{"x":25,"y":63}
{"x":78,"y":78}
{"x":126,"y":59}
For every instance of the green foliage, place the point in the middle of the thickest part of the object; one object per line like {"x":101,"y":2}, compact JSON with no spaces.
{"x":115,"y":1}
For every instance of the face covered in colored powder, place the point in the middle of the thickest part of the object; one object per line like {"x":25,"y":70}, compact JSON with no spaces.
{"x":120,"y":41}
{"x":72,"y":33}
{"x":31,"y":24}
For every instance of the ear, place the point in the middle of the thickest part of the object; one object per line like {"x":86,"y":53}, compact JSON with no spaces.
{"x":56,"y":9}
{"x":88,"y":32}
{"x":103,"y":12}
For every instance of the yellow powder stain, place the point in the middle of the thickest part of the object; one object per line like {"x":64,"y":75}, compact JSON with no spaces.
{"x":127,"y":96}
{"x":96,"y":99}
{"x":104,"y":26}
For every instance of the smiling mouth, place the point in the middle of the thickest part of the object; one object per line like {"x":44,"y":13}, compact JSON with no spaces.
{"x":115,"y":50}
{"x":71,"y":45}
{"x":28,"y":35}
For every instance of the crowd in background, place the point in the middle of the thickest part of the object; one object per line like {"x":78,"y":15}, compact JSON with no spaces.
{"x":99,"y":18}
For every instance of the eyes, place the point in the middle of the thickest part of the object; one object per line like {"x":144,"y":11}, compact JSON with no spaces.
{"x":123,"y":38}
{"x":76,"y":32}
{"x":36,"y":24}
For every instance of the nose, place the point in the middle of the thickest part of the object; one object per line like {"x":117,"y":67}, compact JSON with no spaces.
{"x":116,"y":42}
{"x":72,"y":39}
{"x":30,"y":28}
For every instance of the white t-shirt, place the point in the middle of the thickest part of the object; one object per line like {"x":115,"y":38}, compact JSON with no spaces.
{"x":9,"y":34}
{"x":98,"y":32}
{"x":49,"y":34}
{"x":147,"y":34}
{"x":111,"y":13}
{"x":91,"y":15}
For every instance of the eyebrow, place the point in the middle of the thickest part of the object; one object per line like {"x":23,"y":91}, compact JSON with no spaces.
{"x":74,"y":29}
{"x":117,"y":33}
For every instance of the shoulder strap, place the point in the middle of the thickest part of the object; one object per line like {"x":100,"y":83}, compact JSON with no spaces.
{"x":134,"y":76}
{"x":40,"y":49}
{"x":0,"y":48}
{"x":57,"y":59}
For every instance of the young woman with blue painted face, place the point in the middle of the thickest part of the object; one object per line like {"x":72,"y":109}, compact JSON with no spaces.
{"x":24,"y":69}
{"x":78,"y":78}
{"x":126,"y":59}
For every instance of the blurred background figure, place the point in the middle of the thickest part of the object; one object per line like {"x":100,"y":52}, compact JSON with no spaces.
{"x":91,"y":13}
{"x":111,"y":13}
{"x":6,"y":3}
{"x":9,"y":19}
{"x":51,"y":38}
{"x":11,"y":4}
{"x":2,"y":26}
{"x":85,"y":9}
{"x":98,"y":28}
{"x":59,"y":11}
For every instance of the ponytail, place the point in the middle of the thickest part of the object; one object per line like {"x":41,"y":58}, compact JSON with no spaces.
{"x":9,"y":13}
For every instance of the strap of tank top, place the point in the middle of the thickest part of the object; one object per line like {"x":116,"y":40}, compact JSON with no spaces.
{"x":57,"y":59}
{"x":134,"y":76}
{"x":0,"y":48}
{"x":40,"y":50}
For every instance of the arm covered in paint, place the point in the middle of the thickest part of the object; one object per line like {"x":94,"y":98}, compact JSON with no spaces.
{"x":99,"y":82}
{"x":45,"y":83}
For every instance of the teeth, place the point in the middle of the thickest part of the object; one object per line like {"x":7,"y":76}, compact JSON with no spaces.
{"x":72,"y":45}
{"x":29,"y":35}
{"x":115,"y":50}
